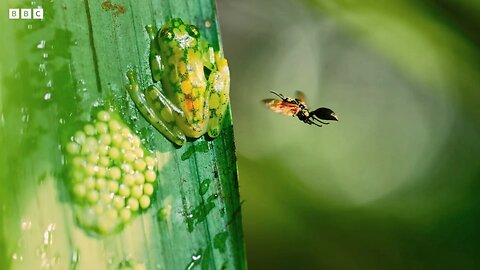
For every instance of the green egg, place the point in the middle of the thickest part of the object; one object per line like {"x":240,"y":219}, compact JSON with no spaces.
{"x":116,"y":139}
{"x":99,"y":209}
{"x":89,"y":129}
{"x":80,"y":137}
{"x":79,"y":190}
{"x":114,"y":125}
{"x":124,"y":190}
{"x":125,"y":214}
{"x":103,"y":150}
{"x":107,"y":198}
{"x":150,"y":176}
{"x":93,"y":158}
{"x":101,"y":184}
{"x":139,"y":165}
{"x":118,"y":202}
{"x":139,"y":152}
{"x":129,"y":156}
{"x":114,"y":173}
{"x":92,"y":196}
{"x":90,"y":182}
{"x":133,"y":204}
{"x":144,"y":201}
{"x":114,"y":153}
{"x":150,"y":162}
{"x":127,"y":168}
{"x":148,"y":189}
{"x":73,"y":148}
{"x":137,"y":192}
{"x":139,"y":178}
{"x":103,"y":116}
{"x":105,"y":139}
{"x":129,"y":180}
{"x":112,"y":186}
{"x":101,"y":127}
{"x":100,"y":171}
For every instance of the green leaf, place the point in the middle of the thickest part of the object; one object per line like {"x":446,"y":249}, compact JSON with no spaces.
{"x":58,"y":73}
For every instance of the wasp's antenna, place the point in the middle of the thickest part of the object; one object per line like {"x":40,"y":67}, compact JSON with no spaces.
{"x":278,"y":95}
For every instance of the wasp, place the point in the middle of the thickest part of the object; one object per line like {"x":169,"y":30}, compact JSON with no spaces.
{"x":298,"y":107}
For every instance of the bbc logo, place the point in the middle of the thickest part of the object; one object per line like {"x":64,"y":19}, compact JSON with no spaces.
{"x":25,"y":13}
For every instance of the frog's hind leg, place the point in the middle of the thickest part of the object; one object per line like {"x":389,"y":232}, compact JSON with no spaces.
{"x":219,"y":83}
{"x":156,"y":108}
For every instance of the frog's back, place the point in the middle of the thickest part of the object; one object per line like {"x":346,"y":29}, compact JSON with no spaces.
{"x":183,"y":77}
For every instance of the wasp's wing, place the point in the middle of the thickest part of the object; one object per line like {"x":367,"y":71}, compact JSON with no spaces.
{"x":301,"y":96}
{"x":282,"y":107}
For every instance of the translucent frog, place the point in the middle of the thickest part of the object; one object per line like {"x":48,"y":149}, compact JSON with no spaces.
{"x":195,"y":83}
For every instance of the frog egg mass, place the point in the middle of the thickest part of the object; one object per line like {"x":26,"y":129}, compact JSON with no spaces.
{"x":110,"y":175}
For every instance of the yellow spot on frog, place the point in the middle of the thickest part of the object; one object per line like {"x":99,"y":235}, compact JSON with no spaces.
{"x":190,"y":53}
{"x":197,"y":55}
{"x":177,"y":32}
{"x":186,"y":87}
{"x":196,"y":103}
{"x":214,"y":101}
{"x":194,"y":92}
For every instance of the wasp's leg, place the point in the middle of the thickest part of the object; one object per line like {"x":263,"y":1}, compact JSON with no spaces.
{"x":315,"y":118}
{"x":157,"y":109}
{"x":325,"y":123}
{"x":219,"y":91}
{"x":310,"y":122}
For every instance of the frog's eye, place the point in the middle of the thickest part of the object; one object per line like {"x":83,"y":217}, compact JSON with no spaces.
{"x":193,"y":31}
{"x":166,"y":33}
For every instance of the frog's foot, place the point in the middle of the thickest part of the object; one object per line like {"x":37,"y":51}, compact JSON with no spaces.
{"x":156,"y":109}
{"x":219,"y":83}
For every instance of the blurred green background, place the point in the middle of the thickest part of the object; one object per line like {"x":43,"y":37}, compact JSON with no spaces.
{"x":393,"y":184}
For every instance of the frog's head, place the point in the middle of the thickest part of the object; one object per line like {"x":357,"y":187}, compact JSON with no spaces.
{"x":175,"y":29}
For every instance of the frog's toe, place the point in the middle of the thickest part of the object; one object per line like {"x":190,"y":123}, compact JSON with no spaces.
{"x":179,"y":141}
{"x":213,"y":133}
{"x":214,"y":127}
{"x":132,"y":77}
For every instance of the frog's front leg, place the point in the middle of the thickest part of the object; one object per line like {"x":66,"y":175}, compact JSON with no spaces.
{"x":154,"y":56}
{"x":157,"y":109}
{"x":219,"y":84}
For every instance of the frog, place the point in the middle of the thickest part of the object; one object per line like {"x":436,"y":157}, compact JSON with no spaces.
{"x":193,"y":94}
